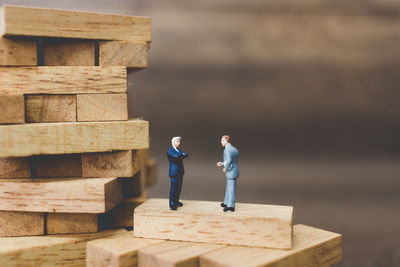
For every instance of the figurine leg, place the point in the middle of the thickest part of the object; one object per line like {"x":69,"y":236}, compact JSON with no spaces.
{"x":179,"y":188}
{"x":172,"y":192}
{"x":231,"y":188}
{"x":226,"y":193}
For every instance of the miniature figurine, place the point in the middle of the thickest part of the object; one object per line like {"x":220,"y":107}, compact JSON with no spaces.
{"x":176,"y":171}
{"x":231,"y":170}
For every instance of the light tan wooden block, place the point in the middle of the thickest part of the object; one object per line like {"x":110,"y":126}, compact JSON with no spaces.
{"x":311,"y":247}
{"x":72,"y":137}
{"x":72,"y":223}
{"x":68,"y":250}
{"x":27,"y":21}
{"x":102,"y":107}
{"x":116,"y":251}
{"x":18,"y":52}
{"x":57,"y":166}
{"x":15,"y":223}
{"x":250,"y":225}
{"x":71,"y":195}
{"x":12,"y":108}
{"x":19,"y":167}
{"x":122,"y":214}
{"x":62,"y":80}
{"x":151,"y":172}
{"x":50,"y":108}
{"x":123,"y":53}
{"x":174,"y":254}
{"x":67,"y":52}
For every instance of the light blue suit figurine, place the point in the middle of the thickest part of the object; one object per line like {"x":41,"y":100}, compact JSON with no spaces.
{"x":231,"y":170}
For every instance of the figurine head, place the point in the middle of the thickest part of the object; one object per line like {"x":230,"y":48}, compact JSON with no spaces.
{"x":176,"y":141}
{"x":225,"y":140}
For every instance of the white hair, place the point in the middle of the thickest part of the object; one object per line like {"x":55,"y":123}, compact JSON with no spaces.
{"x":176,"y":138}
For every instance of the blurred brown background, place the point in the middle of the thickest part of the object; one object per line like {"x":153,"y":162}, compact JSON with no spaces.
{"x":308,"y":91}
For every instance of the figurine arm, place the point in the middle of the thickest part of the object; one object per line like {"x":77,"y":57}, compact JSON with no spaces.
{"x":174,"y":157}
{"x":185,"y":155}
{"x":228,"y":160}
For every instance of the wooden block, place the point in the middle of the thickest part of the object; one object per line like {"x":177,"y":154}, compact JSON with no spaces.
{"x":57,"y":166}
{"x":151,"y":172}
{"x":19,"y":167}
{"x":123,"y":53}
{"x":68,"y":250}
{"x":134,"y":186}
{"x":122,"y":214}
{"x":14,"y":223}
{"x":50,"y":108}
{"x":72,"y":223}
{"x":311,"y":247}
{"x":174,"y":254}
{"x":102,"y":107}
{"x":68,"y":52}
{"x":71,"y":195}
{"x":27,"y":21}
{"x":72,"y":137}
{"x":116,"y":251}
{"x":204,"y":221}
{"x":62,"y":80}
{"x":18,"y":52}
{"x":12,"y":108}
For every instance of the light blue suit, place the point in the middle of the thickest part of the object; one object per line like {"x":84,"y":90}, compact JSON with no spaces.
{"x":231,"y":158}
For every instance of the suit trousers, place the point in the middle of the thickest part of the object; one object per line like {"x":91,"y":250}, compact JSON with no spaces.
{"x":230,"y":192}
{"x":175,"y":192}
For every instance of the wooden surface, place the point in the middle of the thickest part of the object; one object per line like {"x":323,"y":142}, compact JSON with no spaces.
{"x":62,"y":80}
{"x":71,"y":223}
{"x":102,"y":107}
{"x":67,"y":52}
{"x":174,"y":254}
{"x":311,"y":247}
{"x":68,"y":250}
{"x":119,"y":251}
{"x":58,"y":166}
{"x":71,"y":195}
{"x":14,"y":223}
{"x":123,"y":53}
{"x":24,"y":21}
{"x":12,"y":108}
{"x":204,"y":221}
{"x":151,"y":172}
{"x":66,"y":138}
{"x":19,"y":167}
{"x":17,"y":52}
{"x":50,"y":108}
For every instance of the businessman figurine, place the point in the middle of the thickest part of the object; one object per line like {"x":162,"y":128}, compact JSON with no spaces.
{"x":176,"y":171}
{"x":231,"y":170}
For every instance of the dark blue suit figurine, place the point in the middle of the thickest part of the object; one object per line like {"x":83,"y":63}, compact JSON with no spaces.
{"x":176,"y":171}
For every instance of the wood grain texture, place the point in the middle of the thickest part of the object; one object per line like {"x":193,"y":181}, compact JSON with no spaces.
{"x":204,"y":221}
{"x":72,"y":223}
{"x":18,"y":52}
{"x":151,"y":172}
{"x":19,"y":167}
{"x":311,"y":247}
{"x":72,"y":137}
{"x":58,"y":166}
{"x":50,"y":108}
{"x":116,"y":251}
{"x":62,"y":80}
{"x":68,"y":250}
{"x":67,"y":52}
{"x":123,"y":53}
{"x":12,"y":109}
{"x":174,"y":254}
{"x":71,"y":195}
{"x":14,"y":223}
{"x":102,"y":107}
{"x":26,"y":21}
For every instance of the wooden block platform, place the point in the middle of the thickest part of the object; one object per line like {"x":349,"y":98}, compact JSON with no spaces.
{"x":72,"y":195}
{"x":28,"y":21}
{"x":68,"y":250}
{"x":72,"y":137}
{"x":63,"y":80}
{"x":204,"y":221}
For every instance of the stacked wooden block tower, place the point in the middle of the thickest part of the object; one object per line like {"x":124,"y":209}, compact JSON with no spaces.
{"x":74,"y":169}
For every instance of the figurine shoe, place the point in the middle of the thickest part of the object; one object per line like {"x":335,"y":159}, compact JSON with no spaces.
{"x":173,"y":208}
{"x":223,"y":205}
{"x":230,"y":209}
{"x":180,"y":204}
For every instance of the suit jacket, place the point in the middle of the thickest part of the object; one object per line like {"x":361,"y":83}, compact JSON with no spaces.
{"x":176,"y":161}
{"x":231,"y":158}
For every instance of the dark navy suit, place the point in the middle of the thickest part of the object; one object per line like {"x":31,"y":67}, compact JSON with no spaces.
{"x":176,"y":171}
